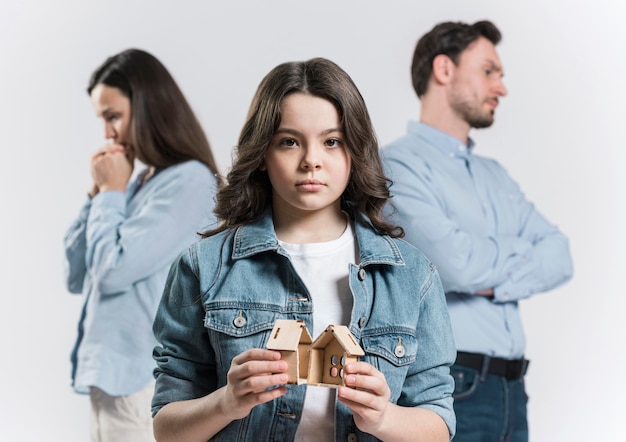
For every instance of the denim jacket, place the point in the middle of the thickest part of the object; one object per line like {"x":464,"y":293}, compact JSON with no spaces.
{"x":225,"y":292}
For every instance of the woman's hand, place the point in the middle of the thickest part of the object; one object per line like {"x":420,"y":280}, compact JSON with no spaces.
{"x":111,"y":169}
{"x":255,"y":377}
{"x":368,"y":397}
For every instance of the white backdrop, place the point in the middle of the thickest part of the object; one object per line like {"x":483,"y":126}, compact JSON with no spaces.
{"x":559,"y":133}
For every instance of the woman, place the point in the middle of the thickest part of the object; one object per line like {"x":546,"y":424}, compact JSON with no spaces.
{"x":119,"y":249}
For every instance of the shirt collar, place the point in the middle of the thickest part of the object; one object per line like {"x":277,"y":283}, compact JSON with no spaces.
{"x":441,"y":140}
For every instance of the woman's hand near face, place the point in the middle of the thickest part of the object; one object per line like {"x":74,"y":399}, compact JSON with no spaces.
{"x":110,"y":169}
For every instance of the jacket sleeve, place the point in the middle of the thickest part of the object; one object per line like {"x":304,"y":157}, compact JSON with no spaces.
{"x":428,"y":382}
{"x":185,"y":360}
{"x":122,"y":249}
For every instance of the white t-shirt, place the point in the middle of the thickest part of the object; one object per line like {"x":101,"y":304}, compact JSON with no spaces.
{"x":324,"y":269}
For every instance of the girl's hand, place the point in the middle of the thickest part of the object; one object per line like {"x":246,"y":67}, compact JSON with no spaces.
{"x":111,"y":169}
{"x":369,"y":396}
{"x":255,"y":377}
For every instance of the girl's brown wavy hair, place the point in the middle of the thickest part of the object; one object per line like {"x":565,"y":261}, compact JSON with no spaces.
{"x":248,"y":190}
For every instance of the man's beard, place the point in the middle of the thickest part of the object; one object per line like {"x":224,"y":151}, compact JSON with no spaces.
{"x":471,"y":113}
{"x":474,"y":117}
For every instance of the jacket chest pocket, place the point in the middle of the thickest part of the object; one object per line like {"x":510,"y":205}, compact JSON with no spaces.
{"x":234,"y":330}
{"x":391,"y":352}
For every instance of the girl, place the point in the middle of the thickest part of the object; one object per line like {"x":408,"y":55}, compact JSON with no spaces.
{"x":303,"y":238}
{"x":120,"y":247}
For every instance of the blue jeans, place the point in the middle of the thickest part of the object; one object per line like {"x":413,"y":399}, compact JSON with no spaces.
{"x":488,"y":408}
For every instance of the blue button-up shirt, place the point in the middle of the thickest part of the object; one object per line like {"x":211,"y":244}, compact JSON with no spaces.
{"x":225,"y":293}
{"x":472,"y":220}
{"x":118,"y":252}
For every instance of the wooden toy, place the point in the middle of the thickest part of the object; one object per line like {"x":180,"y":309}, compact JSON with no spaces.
{"x":318,"y":362}
{"x":292,"y":339}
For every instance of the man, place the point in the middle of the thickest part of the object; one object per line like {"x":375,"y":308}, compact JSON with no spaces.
{"x":491,"y":246}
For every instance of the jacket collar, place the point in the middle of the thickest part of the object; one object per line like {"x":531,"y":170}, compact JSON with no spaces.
{"x":259,"y":236}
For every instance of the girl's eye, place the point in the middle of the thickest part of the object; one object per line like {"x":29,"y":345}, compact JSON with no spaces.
{"x":288,"y":142}
{"x":333,"y":142}
{"x":111,"y":118}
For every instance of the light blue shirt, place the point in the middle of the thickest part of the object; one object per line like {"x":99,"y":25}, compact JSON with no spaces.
{"x":118,"y":253}
{"x":473,"y":221}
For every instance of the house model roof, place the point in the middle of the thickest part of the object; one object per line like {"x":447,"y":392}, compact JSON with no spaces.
{"x":287,"y":334}
{"x":342,"y":334}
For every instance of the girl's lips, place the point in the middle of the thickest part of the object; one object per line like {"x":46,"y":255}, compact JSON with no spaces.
{"x":310,"y":185}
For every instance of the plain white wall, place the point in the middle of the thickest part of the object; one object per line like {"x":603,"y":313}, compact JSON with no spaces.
{"x":559,"y":133}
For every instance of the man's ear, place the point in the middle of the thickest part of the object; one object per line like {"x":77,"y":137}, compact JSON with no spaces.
{"x":443,"y":68}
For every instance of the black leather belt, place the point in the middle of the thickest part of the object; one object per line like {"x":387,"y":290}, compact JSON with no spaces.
{"x":509,"y":368}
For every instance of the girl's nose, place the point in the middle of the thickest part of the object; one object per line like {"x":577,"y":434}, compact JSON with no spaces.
{"x":311,"y":161}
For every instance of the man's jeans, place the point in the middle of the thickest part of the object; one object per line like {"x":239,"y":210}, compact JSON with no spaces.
{"x":488,"y":408}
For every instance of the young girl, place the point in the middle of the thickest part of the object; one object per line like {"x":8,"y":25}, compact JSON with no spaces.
{"x":119,"y":249}
{"x":303,"y":238}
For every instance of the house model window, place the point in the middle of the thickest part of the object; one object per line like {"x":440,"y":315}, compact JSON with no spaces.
{"x":318,"y":362}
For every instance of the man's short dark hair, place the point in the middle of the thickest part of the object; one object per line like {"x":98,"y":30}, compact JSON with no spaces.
{"x":448,"y":38}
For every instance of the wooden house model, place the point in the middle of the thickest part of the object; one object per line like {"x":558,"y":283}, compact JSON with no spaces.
{"x":292,"y":339}
{"x":318,"y":362}
{"x":329,"y":353}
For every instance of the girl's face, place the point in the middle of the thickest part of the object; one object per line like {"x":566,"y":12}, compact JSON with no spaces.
{"x":307,"y":160}
{"x":114,"y":109}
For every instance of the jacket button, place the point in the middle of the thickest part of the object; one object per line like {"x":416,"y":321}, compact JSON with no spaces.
{"x":362,"y":321}
{"x":351,"y":437}
{"x":239,"y":321}
{"x":399,"y":351}
{"x":362,"y":275}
